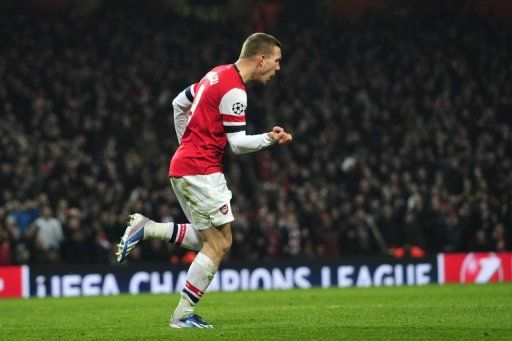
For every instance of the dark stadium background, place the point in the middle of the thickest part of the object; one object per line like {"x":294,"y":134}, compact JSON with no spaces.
{"x":401,"y":113}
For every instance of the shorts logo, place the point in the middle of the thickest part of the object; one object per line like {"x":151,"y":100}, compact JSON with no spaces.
{"x":224,"y":209}
{"x":238,"y":108}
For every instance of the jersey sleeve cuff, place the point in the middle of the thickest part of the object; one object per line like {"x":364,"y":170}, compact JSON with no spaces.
{"x":268,"y":140}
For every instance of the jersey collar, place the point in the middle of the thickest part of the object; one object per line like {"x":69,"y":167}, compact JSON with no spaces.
{"x":239,"y":75}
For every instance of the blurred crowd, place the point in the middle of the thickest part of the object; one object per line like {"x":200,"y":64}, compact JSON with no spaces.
{"x":402,"y":129}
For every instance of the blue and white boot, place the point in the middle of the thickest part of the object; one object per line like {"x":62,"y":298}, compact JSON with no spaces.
{"x":190,"y":321}
{"x":133,"y":234}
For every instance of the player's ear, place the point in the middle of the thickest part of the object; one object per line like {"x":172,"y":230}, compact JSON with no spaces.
{"x":261,"y":60}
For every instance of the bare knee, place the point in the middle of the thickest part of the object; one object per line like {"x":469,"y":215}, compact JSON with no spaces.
{"x":222,"y":246}
{"x":224,"y":240}
{"x":217,"y":242}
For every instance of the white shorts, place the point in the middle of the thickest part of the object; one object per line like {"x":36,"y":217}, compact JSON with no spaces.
{"x":205,"y":199}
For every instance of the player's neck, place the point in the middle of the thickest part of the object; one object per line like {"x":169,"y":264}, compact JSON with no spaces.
{"x":246,"y":70}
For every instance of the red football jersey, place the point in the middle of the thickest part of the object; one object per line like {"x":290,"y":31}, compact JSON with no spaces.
{"x":218,"y":107}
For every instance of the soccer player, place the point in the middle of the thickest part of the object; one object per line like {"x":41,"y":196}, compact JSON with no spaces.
{"x":208,"y":115}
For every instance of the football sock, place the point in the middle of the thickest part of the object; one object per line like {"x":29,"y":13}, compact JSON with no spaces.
{"x":154,"y":230}
{"x":199,"y":276}
{"x":184,"y":235}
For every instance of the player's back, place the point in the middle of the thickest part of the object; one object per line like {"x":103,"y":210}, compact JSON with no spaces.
{"x":204,"y":140}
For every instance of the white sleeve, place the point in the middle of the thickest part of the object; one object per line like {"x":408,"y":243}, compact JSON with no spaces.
{"x":232,"y":111}
{"x":181,"y":108}
{"x":241,"y":143}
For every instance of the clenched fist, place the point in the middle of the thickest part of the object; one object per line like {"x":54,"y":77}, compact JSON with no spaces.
{"x":279,"y":135}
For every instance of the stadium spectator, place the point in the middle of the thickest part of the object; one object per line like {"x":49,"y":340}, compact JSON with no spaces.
{"x":49,"y":236}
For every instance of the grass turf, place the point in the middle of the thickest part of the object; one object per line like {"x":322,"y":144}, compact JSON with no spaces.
{"x":451,"y":312}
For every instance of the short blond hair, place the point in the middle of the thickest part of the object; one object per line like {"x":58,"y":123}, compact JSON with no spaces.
{"x":258,"y":43}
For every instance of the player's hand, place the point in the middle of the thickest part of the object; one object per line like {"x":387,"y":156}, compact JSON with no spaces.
{"x":279,"y":135}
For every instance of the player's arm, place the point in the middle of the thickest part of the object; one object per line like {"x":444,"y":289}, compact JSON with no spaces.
{"x":241,"y":143}
{"x":232,"y":109}
{"x":181,"y":108}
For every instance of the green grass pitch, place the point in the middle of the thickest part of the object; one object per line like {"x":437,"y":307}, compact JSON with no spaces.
{"x":451,"y":312}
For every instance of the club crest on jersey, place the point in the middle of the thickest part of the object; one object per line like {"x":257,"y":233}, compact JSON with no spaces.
{"x":238,"y":108}
{"x":224,"y":209}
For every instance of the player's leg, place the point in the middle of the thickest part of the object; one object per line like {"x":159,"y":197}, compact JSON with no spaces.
{"x":217,"y":242}
{"x":141,"y":228}
{"x":185,"y":235}
{"x":208,"y":200}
